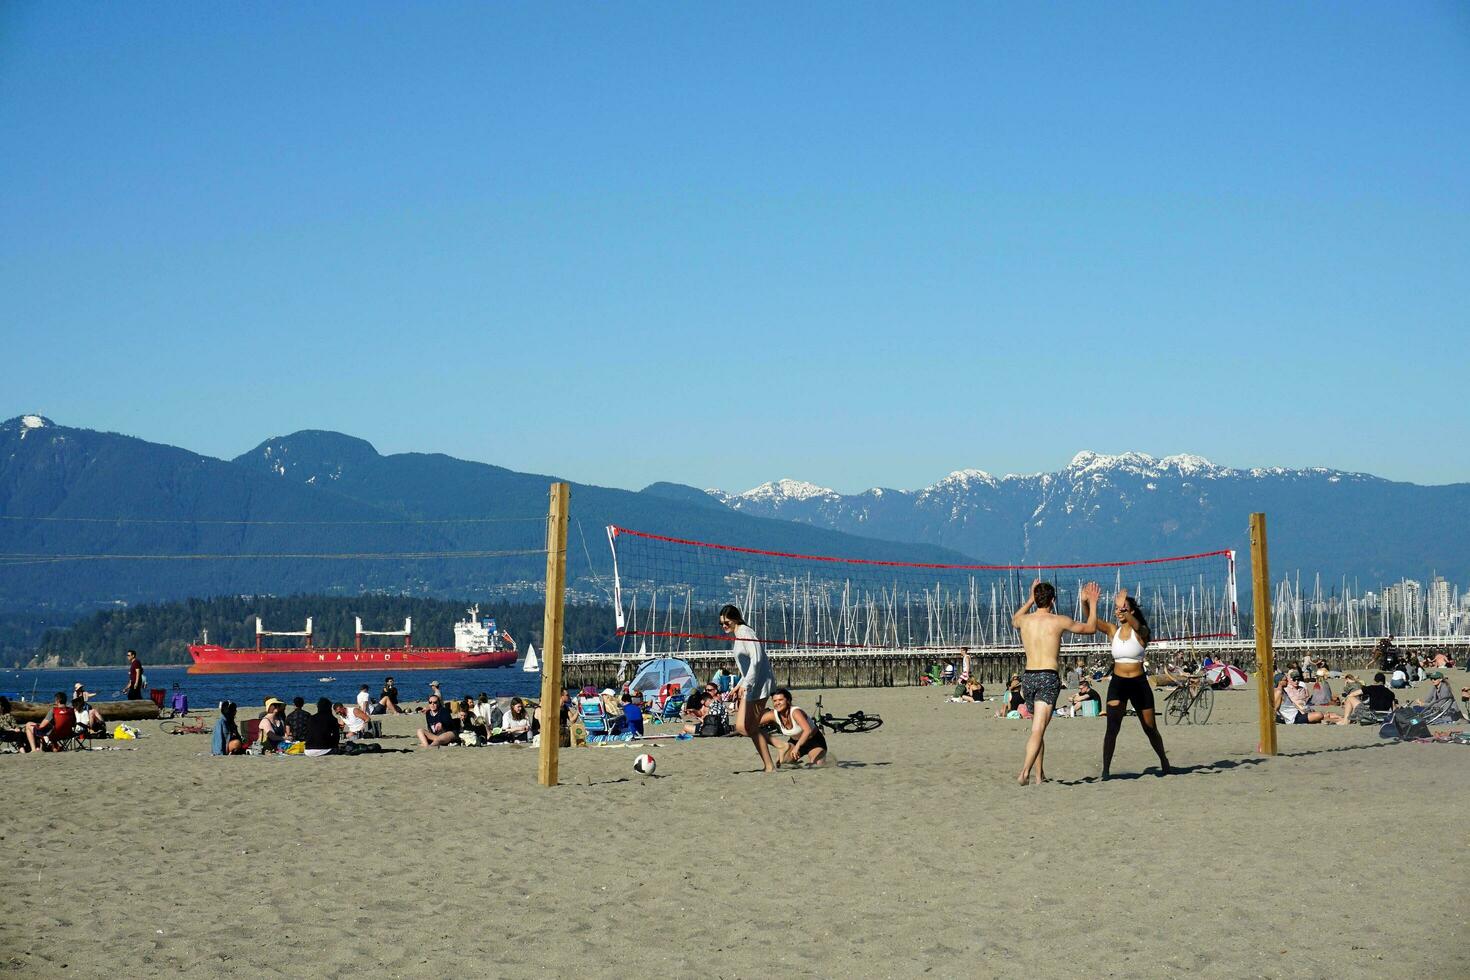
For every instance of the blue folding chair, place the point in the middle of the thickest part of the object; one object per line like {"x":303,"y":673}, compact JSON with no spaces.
{"x":600,"y":728}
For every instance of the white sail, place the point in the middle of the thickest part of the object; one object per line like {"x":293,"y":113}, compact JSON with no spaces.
{"x":532,"y":664}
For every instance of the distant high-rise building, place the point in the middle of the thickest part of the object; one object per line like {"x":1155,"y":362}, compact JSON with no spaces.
{"x":1440,"y":605}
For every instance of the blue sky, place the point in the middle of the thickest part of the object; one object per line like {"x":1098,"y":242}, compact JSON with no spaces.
{"x":718,"y":244}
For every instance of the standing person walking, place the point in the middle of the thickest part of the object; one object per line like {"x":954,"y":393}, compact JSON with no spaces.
{"x":1129,"y":637}
{"x":1041,"y":685}
{"x":755,"y":684}
{"x":134,"y":690}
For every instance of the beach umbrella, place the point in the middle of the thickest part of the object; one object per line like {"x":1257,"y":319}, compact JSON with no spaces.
{"x":1234,"y":676}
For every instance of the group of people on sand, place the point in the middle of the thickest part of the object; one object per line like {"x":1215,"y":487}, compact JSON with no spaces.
{"x":348,"y":729}
{"x":65,"y":720}
{"x":1298,"y":703}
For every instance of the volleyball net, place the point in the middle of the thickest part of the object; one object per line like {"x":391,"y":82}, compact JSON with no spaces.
{"x":671,"y":589}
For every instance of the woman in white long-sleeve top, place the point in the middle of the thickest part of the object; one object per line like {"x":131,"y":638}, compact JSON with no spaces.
{"x":755,"y":684}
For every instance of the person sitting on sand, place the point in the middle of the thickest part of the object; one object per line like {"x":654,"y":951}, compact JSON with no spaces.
{"x":474,"y":716}
{"x":1349,"y":707}
{"x":632,"y":716}
{"x":1439,"y":701}
{"x":298,"y":720}
{"x":515,"y":725}
{"x":1085,"y":696}
{"x":804,"y":740}
{"x":273,"y":725}
{"x":1321,"y":695}
{"x":438,"y":725}
{"x":1291,"y":702}
{"x":78,"y":690}
{"x":974,"y":692}
{"x":226,"y":739}
{"x":1378,"y":696}
{"x":323,"y":729}
{"x":1014,"y":697}
{"x":353,"y":720}
{"x":388,"y":699}
{"x":717,"y":711}
{"x":706,"y":714}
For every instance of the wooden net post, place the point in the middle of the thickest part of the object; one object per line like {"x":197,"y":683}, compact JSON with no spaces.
{"x":556,"y":587}
{"x":1265,"y":658}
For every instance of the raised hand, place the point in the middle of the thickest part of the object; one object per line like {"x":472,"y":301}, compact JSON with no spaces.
{"x":1122,"y":596}
{"x":1090,"y":592}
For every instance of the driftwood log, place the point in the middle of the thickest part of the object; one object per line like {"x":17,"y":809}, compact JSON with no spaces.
{"x":111,"y":710}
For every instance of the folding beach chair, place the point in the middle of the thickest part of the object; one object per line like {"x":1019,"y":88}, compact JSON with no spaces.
{"x":251,"y":734}
{"x":63,"y":736}
{"x":599,"y":726}
{"x":673,"y":708}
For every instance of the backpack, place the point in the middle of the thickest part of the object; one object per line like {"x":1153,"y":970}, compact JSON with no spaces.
{"x":1408,"y":723}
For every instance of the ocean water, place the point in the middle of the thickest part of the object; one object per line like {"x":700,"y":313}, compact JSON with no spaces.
{"x":205,"y":691}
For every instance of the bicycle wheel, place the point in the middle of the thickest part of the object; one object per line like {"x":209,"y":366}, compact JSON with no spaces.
{"x":1203,"y":705}
{"x":860,"y":722}
{"x":1171,"y":713}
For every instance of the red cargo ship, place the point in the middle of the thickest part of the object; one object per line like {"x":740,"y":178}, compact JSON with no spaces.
{"x":476,"y":644}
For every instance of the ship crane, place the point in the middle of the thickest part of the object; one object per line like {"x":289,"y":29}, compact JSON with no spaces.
{"x":261,"y":632}
{"x":406,"y":632}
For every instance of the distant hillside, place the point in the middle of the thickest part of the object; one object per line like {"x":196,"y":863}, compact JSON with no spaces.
{"x":1109,"y":508}
{"x":117,"y":499}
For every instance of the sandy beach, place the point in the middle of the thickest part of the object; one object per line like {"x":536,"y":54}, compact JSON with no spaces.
{"x":918,"y":854}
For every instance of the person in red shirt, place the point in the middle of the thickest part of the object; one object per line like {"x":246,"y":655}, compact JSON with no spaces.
{"x":134,"y":691}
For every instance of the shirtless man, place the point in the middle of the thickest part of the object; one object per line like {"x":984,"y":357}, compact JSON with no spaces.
{"x":1041,"y":685}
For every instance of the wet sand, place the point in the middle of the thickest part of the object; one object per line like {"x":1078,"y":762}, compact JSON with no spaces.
{"x":916,"y":854}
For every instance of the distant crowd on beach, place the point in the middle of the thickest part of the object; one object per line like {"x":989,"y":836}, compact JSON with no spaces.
{"x":1301,"y":695}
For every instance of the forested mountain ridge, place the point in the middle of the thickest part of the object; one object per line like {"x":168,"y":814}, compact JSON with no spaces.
{"x":141,"y":522}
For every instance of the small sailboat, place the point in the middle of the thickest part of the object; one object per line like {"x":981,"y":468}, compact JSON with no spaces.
{"x":532,"y":665}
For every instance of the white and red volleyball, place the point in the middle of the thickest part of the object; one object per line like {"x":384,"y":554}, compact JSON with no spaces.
{"x":644,"y":765}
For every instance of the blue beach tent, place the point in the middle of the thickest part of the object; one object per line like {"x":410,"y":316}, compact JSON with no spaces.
{"x":654,"y":674}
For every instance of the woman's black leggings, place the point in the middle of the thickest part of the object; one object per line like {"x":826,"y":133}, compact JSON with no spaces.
{"x":1123,"y":691}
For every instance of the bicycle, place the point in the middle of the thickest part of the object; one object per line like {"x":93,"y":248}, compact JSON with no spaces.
{"x":1190,"y":702}
{"x":184,"y":726}
{"x":854,"y":723}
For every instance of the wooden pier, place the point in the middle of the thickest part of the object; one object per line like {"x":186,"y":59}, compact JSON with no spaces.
{"x":992,"y":665}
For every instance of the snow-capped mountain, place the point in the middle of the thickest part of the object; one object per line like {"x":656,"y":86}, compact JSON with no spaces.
{"x":1102,"y":507}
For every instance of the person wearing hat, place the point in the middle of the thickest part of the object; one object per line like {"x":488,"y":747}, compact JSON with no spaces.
{"x":273,"y":725}
{"x":79,"y":691}
{"x":1439,"y":699}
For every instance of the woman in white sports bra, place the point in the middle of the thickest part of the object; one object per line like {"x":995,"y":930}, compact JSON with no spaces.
{"x":1130,"y":636}
{"x":804,"y":740}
